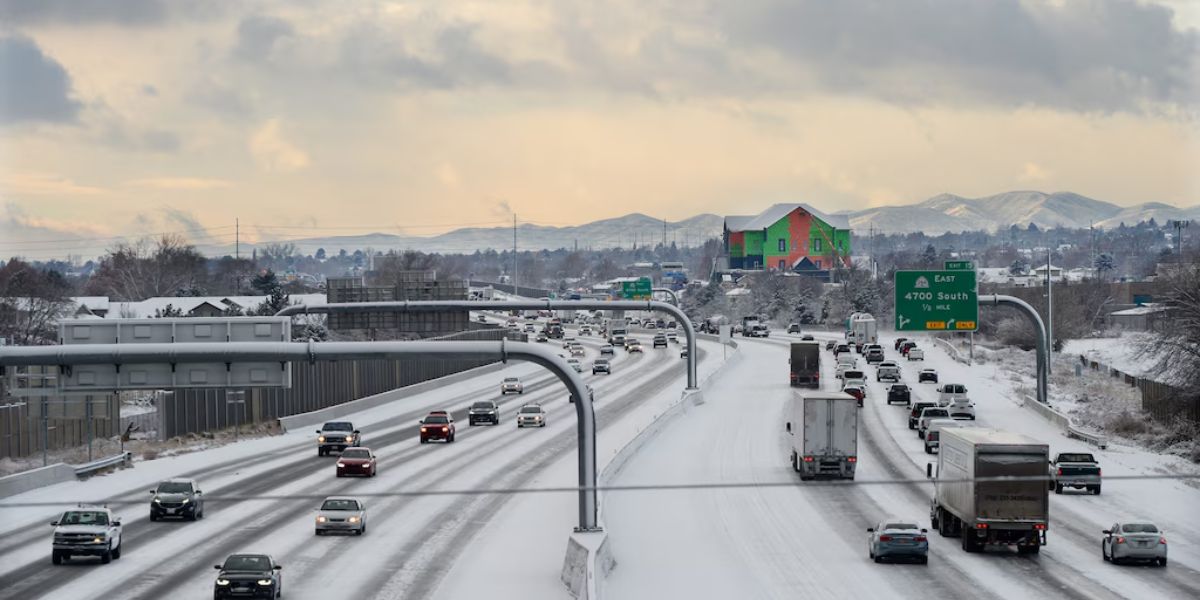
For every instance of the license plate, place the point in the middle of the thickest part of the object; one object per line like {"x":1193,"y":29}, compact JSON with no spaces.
{"x":170,"y":511}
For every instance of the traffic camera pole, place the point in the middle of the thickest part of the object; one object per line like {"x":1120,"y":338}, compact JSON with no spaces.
{"x":1043,"y":348}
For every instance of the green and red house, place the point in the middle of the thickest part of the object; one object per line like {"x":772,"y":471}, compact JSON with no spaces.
{"x":788,"y":237}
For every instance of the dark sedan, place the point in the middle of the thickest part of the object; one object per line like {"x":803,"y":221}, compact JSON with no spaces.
{"x":248,"y":576}
{"x":356,"y":461}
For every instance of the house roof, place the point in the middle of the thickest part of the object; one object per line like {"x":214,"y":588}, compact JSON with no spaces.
{"x":737,"y":222}
{"x":146,"y":308}
{"x":778,"y":211}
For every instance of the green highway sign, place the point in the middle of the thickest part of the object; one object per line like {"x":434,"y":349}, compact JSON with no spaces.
{"x":960,"y":265}
{"x":637,"y":290}
{"x":936,"y":301}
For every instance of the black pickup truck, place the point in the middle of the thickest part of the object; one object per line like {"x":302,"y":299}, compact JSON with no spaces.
{"x":1075,"y":470}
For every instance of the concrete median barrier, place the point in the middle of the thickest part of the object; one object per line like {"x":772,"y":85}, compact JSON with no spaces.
{"x":32,"y":479}
{"x":317,"y":417}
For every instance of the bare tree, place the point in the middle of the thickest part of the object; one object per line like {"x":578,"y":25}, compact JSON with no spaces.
{"x":31,"y":302}
{"x":147,"y":269}
{"x":1176,"y":347}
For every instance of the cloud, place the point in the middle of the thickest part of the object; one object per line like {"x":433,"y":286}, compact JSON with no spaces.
{"x":118,"y":133}
{"x":1033,"y":172}
{"x":446,"y":174}
{"x":1083,"y":56}
{"x":18,"y":226}
{"x":129,"y":13}
{"x":256,"y":36}
{"x":185,"y":219}
{"x":33,"y":86}
{"x":180,"y":183}
{"x":45,"y":184}
{"x":273,"y":153}
{"x":502,"y":209}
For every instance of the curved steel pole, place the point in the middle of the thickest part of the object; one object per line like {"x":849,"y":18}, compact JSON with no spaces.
{"x":668,"y":291}
{"x":468,"y":305}
{"x":1043,"y":358}
{"x":233,"y":352}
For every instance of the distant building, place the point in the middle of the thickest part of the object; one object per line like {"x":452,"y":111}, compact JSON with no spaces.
{"x":787,"y":237}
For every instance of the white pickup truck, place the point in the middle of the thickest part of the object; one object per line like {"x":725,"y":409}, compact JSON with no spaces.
{"x":86,"y":531}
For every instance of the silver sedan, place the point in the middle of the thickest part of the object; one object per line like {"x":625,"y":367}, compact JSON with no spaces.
{"x":342,"y":515}
{"x":1134,"y":541}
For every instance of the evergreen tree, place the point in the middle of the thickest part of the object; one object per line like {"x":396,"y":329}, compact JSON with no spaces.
{"x":265,"y":283}
{"x":929,"y":256}
{"x":320,"y":254}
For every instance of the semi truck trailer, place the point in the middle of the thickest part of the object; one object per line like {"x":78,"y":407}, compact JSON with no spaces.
{"x":967,"y":504}
{"x":823,"y":427}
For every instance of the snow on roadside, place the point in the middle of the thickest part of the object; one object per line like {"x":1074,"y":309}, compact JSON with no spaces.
{"x":1099,"y":402}
{"x":1121,"y":353}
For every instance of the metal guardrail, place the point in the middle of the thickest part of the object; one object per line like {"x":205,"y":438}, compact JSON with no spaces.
{"x":952,"y":350}
{"x":125,"y":459}
{"x":1064,"y":422}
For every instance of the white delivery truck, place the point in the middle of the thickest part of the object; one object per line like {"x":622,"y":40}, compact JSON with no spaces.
{"x":864,"y":329}
{"x":823,"y":427}
{"x":1015,"y":511}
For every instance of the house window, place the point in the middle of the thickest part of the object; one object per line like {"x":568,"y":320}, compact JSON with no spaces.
{"x":783,"y":245}
{"x":816,"y":245}
{"x":781,"y":264}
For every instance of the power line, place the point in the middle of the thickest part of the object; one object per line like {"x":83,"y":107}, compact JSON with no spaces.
{"x":791,"y":483}
{"x":204,"y":233}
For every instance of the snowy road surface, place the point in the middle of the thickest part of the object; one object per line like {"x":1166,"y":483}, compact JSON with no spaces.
{"x":809,"y":541}
{"x":413,"y":543}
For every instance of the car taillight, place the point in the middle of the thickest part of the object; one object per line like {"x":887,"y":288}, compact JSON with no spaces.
{"x":1040,"y":526}
{"x":981,"y":526}
{"x":1120,"y":540}
{"x":1162,"y":540}
{"x":885,"y":538}
{"x":851,"y":459}
{"x":1099,"y":472}
{"x":920,"y":538}
{"x":1060,"y":471}
{"x":808,"y":459}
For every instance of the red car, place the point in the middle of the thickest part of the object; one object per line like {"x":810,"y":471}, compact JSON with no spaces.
{"x":439,"y":425}
{"x":356,"y":461}
{"x":857,"y":391}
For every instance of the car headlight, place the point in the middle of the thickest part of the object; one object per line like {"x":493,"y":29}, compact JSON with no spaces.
{"x":98,"y":540}
{"x":222,"y":582}
{"x":321,"y":519}
{"x":157,"y":501}
{"x":320,"y":438}
{"x":265,"y":582}
{"x":341,"y":465}
{"x":186,"y":500}
{"x":354,"y":519}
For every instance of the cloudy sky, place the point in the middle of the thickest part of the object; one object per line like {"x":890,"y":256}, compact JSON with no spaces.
{"x":326,"y":116}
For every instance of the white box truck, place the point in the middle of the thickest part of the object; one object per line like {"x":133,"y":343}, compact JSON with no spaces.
{"x":823,"y":427}
{"x":991,"y":512}
{"x":864,"y":330}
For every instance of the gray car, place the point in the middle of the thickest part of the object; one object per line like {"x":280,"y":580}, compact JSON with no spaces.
{"x":1134,"y":541}
{"x":340,"y":514}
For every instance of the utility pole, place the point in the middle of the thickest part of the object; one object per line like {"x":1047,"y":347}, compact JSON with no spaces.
{"x":1179,"y":225}
{"x":1049,"y":312}
{"x":237,"y":238}
{"x":664,"y":233}
{"x":514,"y":272}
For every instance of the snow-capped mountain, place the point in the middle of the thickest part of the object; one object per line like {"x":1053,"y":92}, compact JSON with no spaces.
{"x":948,"y":212}
{"x":624,"y":232}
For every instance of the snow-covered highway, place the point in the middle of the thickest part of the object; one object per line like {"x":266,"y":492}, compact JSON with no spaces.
{"x":809,"y":541}
{"x":413,"y":543}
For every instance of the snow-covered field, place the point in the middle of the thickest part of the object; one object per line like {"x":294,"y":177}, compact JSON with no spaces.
{"x":1120,"y":353}
{"x":496,"y":546}
{"x":809,"y":541}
